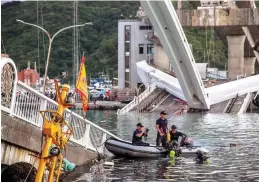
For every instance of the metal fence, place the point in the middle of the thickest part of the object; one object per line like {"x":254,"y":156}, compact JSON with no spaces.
{"x":86,"y":134}
{"x":25,"y":103}
{"x":137,"y":100}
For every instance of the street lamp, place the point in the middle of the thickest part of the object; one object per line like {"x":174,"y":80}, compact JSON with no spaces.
{"x":50,"y":42}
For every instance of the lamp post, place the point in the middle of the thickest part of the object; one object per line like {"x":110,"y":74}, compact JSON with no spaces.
{"x":50,"y":42}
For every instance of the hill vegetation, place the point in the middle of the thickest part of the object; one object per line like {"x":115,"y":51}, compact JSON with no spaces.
{"x":99,"y":42}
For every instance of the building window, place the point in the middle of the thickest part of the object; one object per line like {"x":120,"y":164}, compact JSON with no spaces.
{"x":127,"y":47}
{"x":127,"y":62}
{"x":127,"y":33}
{"x":127,"y":36}
{"x":145,"y":27}
{"x":150,"y":48}
{"x":126,"y":79}
{"x":127,"y":53}
{"x":141,"y":49}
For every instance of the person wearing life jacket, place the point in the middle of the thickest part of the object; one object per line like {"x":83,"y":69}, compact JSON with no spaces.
{"x":174,"y":135}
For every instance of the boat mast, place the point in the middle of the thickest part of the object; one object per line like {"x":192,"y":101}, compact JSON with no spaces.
{"x":75,"y":47}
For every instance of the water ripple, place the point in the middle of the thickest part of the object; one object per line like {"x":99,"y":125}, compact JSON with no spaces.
{"x":214,"y":131}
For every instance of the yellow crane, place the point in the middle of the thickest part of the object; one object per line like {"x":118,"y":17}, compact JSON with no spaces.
{"x":57,"y":133}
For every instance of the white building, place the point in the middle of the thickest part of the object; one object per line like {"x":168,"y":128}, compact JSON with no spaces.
{"x":133,"y":46}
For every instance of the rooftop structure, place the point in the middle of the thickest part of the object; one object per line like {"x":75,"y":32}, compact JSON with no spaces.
{"x":29,"y":76}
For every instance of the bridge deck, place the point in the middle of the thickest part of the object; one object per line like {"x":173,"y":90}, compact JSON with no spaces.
{"x":216,"y":93}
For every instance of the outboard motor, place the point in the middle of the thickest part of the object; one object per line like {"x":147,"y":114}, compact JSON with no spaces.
{"x":187,"y":142}
{"x":201,"y":158}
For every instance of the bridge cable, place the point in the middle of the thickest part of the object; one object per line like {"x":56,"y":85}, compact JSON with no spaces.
{"x":213,"y":38}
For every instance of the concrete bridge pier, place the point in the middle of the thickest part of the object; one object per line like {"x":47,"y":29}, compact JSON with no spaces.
{"x":249,"y":65}
{"x":235,"y":55}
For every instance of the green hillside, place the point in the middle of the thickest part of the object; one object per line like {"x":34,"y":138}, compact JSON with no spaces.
{"x":99,"y":42}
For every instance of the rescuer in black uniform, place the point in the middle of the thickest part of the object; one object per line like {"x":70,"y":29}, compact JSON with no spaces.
{"x":138,"y":134}
{"x":174,"y":135}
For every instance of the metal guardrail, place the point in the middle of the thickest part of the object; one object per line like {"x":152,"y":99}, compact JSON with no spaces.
{"x":230,"y":104}
{"x":86,"y":134}
{"x":137,"y":100}
{"x":143,"y":107}
{"x":24,"y":102}
{"x":246,"y":103}
{"x":257,"y":93}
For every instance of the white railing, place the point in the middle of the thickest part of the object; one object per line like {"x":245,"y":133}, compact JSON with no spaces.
{"x":28,"y":103}
{"x":246,"y":103}
{"x":137,"y":100}
{"x":24,"y":102}
{"x":8,"y":79}
{"x":257,"y":93}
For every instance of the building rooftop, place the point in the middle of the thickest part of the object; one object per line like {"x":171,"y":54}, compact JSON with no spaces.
{"x":129,"y":20}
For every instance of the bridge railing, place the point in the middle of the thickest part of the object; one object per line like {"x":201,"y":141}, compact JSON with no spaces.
{"x":8,"y":81}
{"x":24,"y":102}
{"x":137,"y":100}
{"x":246,"y":103}
{"x":29,"y":102}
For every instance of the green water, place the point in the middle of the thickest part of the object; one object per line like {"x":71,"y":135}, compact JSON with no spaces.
{"x":213,"y":131}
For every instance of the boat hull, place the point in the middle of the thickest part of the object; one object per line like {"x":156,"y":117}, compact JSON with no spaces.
{"x":126,"y":149}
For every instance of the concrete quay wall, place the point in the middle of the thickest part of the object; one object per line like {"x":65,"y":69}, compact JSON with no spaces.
{"x":103,"y":105}
{"x":21,"y":141}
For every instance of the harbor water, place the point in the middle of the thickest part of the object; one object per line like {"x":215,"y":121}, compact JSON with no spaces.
{"x":213,"y":131}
